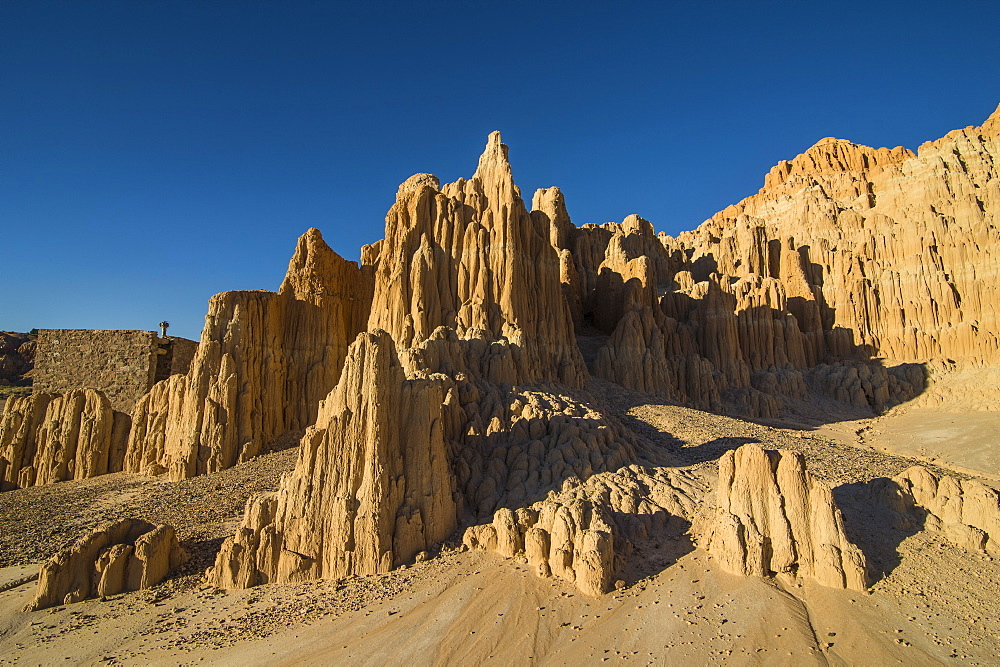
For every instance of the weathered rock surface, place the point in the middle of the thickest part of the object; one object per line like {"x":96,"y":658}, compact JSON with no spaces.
{"x":582,"y":533}
{"x":469,"y":324}
{"x":774,"y":518}
{"x":264,"y":362}
{"x":470,"y":258}
{"x":846,"y":253}
{"x":126,"y":555}
{"x":462,"y":403}
{"x":965,"y":510}
{"x":17,"y":355}
{"x":372,"y":488}
{"x":46,"y":438}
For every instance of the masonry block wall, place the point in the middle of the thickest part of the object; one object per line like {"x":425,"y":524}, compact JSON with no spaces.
{"x":121,"y":364}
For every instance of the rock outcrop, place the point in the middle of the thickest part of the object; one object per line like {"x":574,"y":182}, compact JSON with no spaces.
{"x":965,"y":510}
{"x":573,"y":542}
{"x":264,"y":362}
{"x":469,"y":325}
{"x":126,"y":555}
{"x":372,"y":488}
{"x":878,"y":240}
{"x":462,"y":399}
{"x":582,"y":533}
{"x":774,"y":518}
{"x":46,"y":438}
{"x":469,"y":257}
{"x":845,"y":254}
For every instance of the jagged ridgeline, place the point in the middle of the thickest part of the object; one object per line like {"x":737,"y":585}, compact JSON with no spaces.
{"x":443,"y":382}
{"x":849,"y":270}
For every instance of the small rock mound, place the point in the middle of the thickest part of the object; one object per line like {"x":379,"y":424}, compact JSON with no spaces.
{"x":571,"y":541}
{"x":126,"y":555}
{"x":584,"y":533}
{"x":966,"y":511}
{"x":773,"y":517}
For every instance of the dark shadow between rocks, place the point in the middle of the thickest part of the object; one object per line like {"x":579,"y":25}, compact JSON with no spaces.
{"x":639,"y":557}
{"x":873,"y":526}
{"x":201,"y":555}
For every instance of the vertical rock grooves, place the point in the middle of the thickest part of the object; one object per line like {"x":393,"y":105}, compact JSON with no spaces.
{"x":46,"y":438}
{"x":373,"y":484}
{"x":847,"y":253}
{"x":773,"y":518}
{"x":264,"y":362}
{"x":126,"y":555}
{"x":468,"y":257}
{"x":462,"y":403}
{"x":965,"y":510}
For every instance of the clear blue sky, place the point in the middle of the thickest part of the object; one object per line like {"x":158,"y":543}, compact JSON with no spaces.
{"x":153,"y":153}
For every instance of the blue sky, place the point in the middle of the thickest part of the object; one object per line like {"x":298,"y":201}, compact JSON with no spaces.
{"x":153,"y":153}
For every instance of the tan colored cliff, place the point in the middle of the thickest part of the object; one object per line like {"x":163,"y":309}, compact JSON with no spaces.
{"x":475,"y":309}
{"x":46,"y":438}
{"x":372,"y":487}
{"x":846,"y":253}
{"x":897,"y":250}
{"x":126,"y":555}
{"x":470,"y":285}
{"x":264,"y":362}
{"x":774,"y":518}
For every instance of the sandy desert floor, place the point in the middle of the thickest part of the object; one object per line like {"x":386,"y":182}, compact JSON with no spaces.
{"x":933,"y":603}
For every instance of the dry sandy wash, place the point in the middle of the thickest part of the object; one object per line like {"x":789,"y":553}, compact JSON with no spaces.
{"x":772,"y":439}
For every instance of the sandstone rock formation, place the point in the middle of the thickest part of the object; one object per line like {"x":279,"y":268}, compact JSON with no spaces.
{"x":372,"y":488}
{"x":582,"y":533}
{"x":468,"y":317}
{"x":46,"y":438}
{"x":461,"y":401}
{"x":878,"y":240}
{"x":126,"y":555}
{"x":469,"y":257}
{"x":773,"y":518}
{"x":965,"y":510}
{"x":264,"y":362}
{"x":846,"y":253}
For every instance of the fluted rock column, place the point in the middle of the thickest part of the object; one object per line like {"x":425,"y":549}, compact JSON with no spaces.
{"x":372,"y":486}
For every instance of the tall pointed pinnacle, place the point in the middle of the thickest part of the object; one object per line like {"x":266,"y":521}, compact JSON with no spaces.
{"x":495,"y":154}
{"x":494,"y":167}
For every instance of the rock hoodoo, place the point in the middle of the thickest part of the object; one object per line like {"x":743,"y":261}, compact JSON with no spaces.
{"x":774,"y":518}
{"x":445,"y":382}
{"x":470,"y":258}
{"x":372,"y":488}
{"x":126,"y":555}
{"x":464,"y":402}
{"x":846,"y":253}
{"x":583,"y":532}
